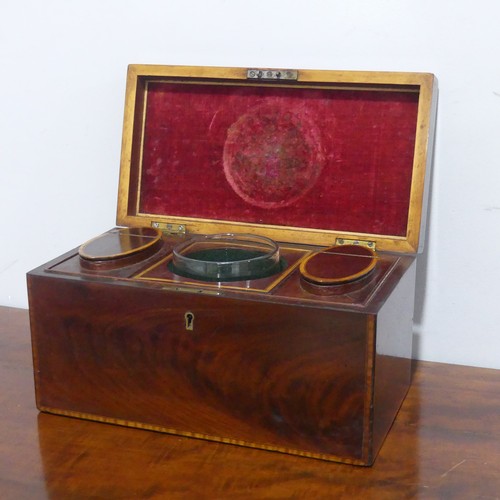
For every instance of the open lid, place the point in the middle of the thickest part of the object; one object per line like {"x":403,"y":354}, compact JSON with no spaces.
{"x":299,"y":156}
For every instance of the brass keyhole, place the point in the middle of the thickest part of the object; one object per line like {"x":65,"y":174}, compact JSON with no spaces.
{"x":189,"y":319}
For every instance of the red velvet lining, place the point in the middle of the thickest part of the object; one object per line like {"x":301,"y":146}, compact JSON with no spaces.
{"x":314,"y":158}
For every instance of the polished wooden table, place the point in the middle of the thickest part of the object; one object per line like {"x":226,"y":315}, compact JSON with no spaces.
{"x":445,"y":443}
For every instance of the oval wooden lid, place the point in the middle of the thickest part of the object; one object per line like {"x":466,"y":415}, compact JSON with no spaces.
{"x":119,"y":243}
{"x":338,"y":264}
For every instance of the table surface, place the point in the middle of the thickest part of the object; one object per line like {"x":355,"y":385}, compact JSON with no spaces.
{"x":445,"y":443}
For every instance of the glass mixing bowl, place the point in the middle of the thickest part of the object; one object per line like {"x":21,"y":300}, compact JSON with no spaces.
{"x":226,"y":257}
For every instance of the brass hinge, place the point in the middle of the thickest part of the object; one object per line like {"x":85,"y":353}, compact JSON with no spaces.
{"x":272,"y":74}
{"x":169,"y":227}
{"x":363,"y":243}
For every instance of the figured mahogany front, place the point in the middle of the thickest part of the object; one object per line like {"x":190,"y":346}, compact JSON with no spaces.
{"x":254,"y":373}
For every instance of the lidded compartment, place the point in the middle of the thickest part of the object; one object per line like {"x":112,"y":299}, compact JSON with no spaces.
{"x":119,"y":247}
{"x":309,"y":156}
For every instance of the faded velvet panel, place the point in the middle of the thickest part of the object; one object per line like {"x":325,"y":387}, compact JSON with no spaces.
{"x":303,"y":157}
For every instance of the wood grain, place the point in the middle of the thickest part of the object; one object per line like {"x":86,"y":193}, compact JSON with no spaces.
{"x":314,"y":379}
{"x":251,"y":372}
{"x":445,"y":443}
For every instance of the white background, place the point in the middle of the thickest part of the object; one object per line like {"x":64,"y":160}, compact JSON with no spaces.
{"x":62,"y":83}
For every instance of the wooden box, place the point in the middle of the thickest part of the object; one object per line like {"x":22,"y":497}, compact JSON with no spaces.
{"x":312,"y":358}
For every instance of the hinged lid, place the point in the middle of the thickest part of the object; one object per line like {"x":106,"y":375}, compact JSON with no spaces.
{"x":307,"y":156}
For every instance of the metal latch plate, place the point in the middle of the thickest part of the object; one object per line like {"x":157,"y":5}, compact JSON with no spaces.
{"x":272,"y":74}
{"x":169,"y":227}
{"x":363,"y":243}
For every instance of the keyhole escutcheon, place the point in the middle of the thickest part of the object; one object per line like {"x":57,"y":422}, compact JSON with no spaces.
{"x":189,"y":320}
